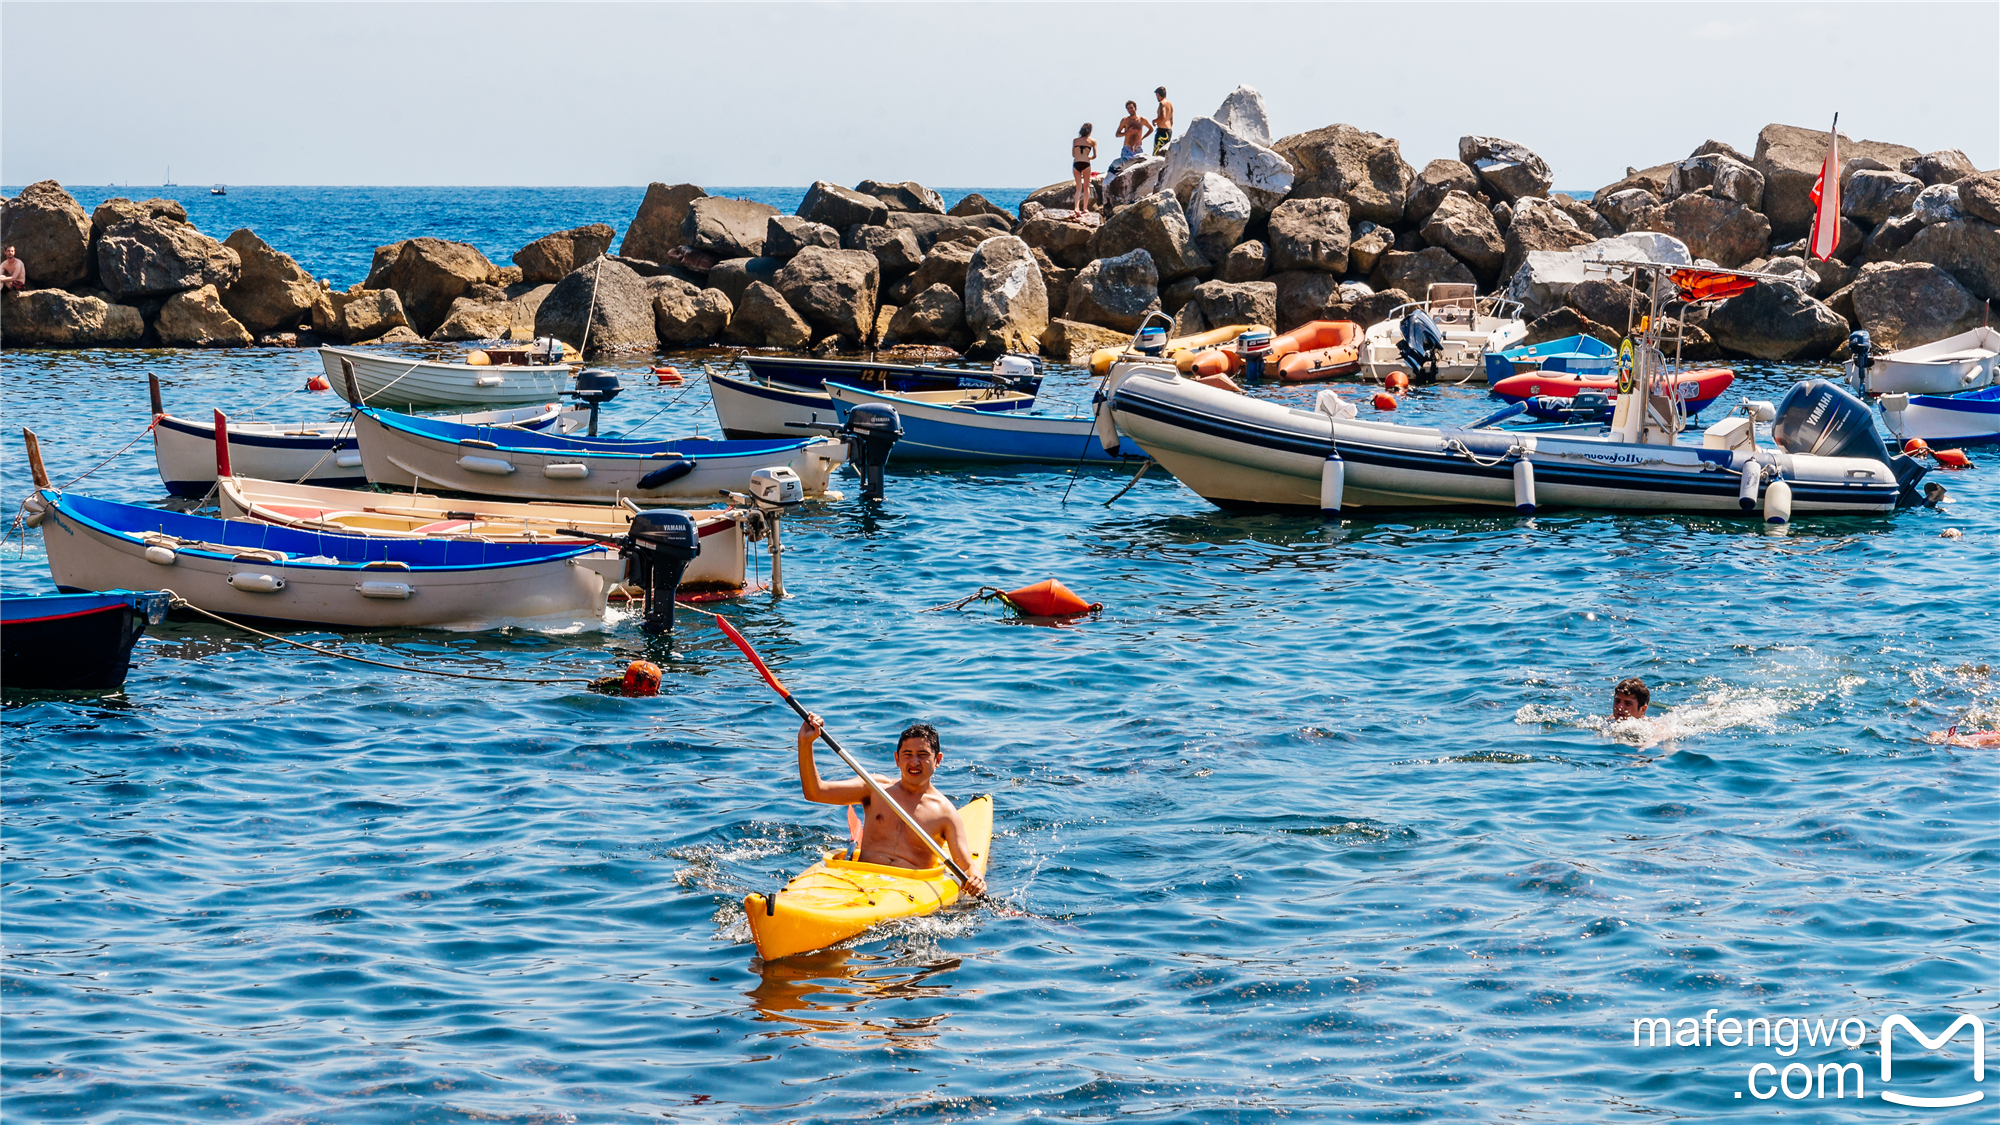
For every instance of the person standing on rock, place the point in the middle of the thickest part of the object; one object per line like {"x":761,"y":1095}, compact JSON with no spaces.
{"x":1134,"y":129}
{"x":13,"y":272}
{"x":1082,"y":151}
{"x":1163,"y":123}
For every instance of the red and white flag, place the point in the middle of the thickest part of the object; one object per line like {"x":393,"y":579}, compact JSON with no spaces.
{"x":1826,"y":199}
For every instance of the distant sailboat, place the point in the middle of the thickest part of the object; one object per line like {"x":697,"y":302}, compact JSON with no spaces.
{"x":170,"y":177}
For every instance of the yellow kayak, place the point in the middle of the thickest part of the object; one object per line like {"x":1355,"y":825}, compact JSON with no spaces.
{"x":837,"y":898}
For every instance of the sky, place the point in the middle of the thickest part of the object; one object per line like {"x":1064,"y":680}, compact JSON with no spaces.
{"x":950,"y":94}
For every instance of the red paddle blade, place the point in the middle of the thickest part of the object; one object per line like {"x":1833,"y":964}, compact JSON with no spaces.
{"x":751,"y":653}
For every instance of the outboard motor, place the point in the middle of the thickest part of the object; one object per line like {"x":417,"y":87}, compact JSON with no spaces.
{"x":1152,"y":340}
{"x":595,"y":388}
{"x":545,"y":349}
{"x":1420,"y":345}
{"x":1817,"y":417}
{"x":660,"y":544}
{"x":872,"y":430}
{"x":773,"y":492}
{"x":1253,"y":348}
{"x":1010,"y":367}
{"x":1860,"y":346}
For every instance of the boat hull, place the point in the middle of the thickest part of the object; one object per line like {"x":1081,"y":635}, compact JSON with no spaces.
{"x":943,"y":434}
{"x":1964,"y":362}
{"x":837,"y":898}
{"x":1967,"y":419}
{"x":74,"y":642}
{"x":396,"y":382}
{"x":399,"y":452}
{"x":1238,"y":452}
{"x":96,"y":545}
{"x":799,"y":371}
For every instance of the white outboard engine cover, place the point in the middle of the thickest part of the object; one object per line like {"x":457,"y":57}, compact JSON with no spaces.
{"x":546,"y":349}
{"x":777,"y":487}
{"x":1014,"y":367}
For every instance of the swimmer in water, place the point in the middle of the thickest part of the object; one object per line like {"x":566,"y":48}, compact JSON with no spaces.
{"x":1629,"y":699}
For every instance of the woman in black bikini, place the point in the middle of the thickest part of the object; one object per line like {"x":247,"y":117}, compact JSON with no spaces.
{"x":1082,"y":151}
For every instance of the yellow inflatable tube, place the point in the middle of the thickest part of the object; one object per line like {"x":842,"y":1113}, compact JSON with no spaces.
{"x":1182,"y":349}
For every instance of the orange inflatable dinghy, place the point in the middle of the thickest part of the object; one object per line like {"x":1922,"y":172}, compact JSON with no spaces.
{"x":1323,"y":349}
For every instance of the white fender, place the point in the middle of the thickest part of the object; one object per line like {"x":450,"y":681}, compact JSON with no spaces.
{"x":1778,"y":502}
{"x":1753,"y":477}
{"x":1524,"y":486}
{"x":492,"y":466}
{"x":1107,"y":430}
{"x":1332,"y":484}
{"x":162,"y":555}
{"x":392,"y":590}
{"x":348,"y":459}
{"x":253,"y":583}
{"x":575,"y":470}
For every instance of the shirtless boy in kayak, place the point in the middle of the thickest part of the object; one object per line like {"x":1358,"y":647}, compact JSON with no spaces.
{"x":885,"y":839}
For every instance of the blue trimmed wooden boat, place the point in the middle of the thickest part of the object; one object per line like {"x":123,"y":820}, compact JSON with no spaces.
{"x":1581,"y":355}
{"x":937,"y":433}
{"x":74,"y":642}
{"x":753,"y":409}
{"x":802,"y":371}
{"x":1972,"y":418}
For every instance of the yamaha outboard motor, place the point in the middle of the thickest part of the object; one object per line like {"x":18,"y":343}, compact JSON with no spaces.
{"x":595,"y":388}
{"x":1818,"y":417}
{"x":1857,"y":368}
{"x":1420,"y":345}
{"x":660,"y":544}
{"x":872,"y":430}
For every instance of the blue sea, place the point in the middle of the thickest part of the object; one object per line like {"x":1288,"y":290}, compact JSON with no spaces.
{"x":1315,"y":821}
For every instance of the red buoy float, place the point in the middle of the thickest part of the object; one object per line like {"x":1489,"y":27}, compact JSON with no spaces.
{"x":669,"y":376}
{"x":1397,"y":380}
{"x":1049,"y":598}
{"x":317,"y":384}
{"x":1384,"y":400}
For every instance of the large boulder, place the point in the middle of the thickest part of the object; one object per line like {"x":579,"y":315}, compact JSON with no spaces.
{"x":1157,"y":225}
{"x":1303,"y":295}
{"x":735,"y":275}
{"x":1937,"y":203}
{"x":1263,"y":174}
{"x":1509,"y":171}
{"x":934,"y":316}
{"x":1775,"y":321}
{"x":1066,"y":243}
{"x":118,"y":209}
{"x":906,"y":196}
{"x":1438,"y":179}
{"x":1061,"y":196}
{"x":684,"y":315}
{"x":1967,"y":248}
{"x":1584,"y":215}
{"x":431,"y":273}
{"x":1221,"y":303}
{"x":271,"y":293}
{"x":1790,"y":159}
{"x":1365,"y":170}
{"x":976,"y":204}
{"x":600,"y":307}
{"x":1979,"y":196}
{"x":839,"y":208}
{"x":1310,"y":234}
{"x":944,"y":265}
{"x":1006,"y":303}
{"x":834,"y":290}
{"x":1075,"y":341}
{"x":1558,"y":324}
{"x":1539,"y":225}
{"x":1870,"y":196}
{"x":1356,"y":303}
{"x":1217,"y":213}
{"x":1366,"y":248}
{"x":932,"y":229}
{"x":1136,"y":180}
{"x":1724,"y":176}
{"x":367,"y":315}
{"x":472,"y":319}
{"x":141,"y":258}
{"x":1947,"y":166}
{"x":1115,"y":292}
{"x":656,"y":230}
{"x":552,"y":257}
{"x":52,"y":318}
{"x":1652,"y":179}
{"x":1904,"y":304}
{"x":196,"y":318}
{"x":1724,"y":232}
{"x":1247,"y":261}
{"x":1609,"y":302}
{"x":895,"y":249}
{"x":50,"y":234}
{"x":1545,"y":277}
{"x":1415,"y":273}
{"x":1243,"y":112}
{"x":379,"y":265}
{"x":1889,"y":238}
{"x":786,"y":235}
{"x":1625,"y":209}
{"x":728,"y":228}
{"x":1464,"y":226}
{"x":763,"y":319}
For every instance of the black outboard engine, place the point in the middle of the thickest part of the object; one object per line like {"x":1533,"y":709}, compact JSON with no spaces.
{"x":661,"y":543}
{"x":872,"y":430}
{"x":595,"y":388}
{"x":1859,"y":345}
{"x":1420,"y":345}
{"x":1818,"y":417}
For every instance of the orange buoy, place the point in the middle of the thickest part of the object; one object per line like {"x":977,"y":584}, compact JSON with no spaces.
{"x":669,"y":376}
{"x":1048,"y":599}
{"x":1951,"y":458}
{"x":318,"y":383}
{"x":642,"y":677}
{"x":1397,"y":380}
{"x":1384,"y":401}
{"x":1916,"y":447}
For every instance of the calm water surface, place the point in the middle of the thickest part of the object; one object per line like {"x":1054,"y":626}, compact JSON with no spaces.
{"x":1314,"y":822}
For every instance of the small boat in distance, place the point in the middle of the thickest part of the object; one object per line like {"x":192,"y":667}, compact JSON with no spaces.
{"x":218,"y":190}
{"x":74,"y":642}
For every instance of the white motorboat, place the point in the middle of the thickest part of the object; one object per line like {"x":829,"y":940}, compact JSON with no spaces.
{"x":1242,"y":452}
{"x":1466,"y":327}
{"x":1965,"y":362}
{"x":762,"y":407}
{"x":401,"y":383}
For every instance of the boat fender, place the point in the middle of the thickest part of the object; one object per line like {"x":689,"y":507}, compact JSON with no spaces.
{"x":1384,"y":400}
{"x":487,"y":381}
{"x":394,"y":591}
{"x":1049,"y":598}
{"x":348,"y":459}
{"x":252,"y":583}
{"x":1107,"y":429}
{"x":492,"y":466}
{"x":318,"y":383}
{"x":1524,"y":486}
{"x":1753,"y":477}
{"x":1332,"y":484}
{"x":667,"y":474}
{"x":566,"y":471}
{"x":164,"y":556}
{"x":1778,"y":502}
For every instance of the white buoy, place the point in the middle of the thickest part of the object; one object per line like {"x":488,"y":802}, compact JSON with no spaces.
{"x":1332,"y":484}
{"x":1753,"y":476}
{"x":1524,"y":487}
{"x":1778,"y":502}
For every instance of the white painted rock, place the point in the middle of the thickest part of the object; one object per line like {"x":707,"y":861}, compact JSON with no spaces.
{"x":1217,"y":213}
{"x":1243,"y":114}
{"x":1264,"y":176}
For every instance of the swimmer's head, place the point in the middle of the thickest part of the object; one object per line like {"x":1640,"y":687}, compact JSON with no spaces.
{"x":1629,"y":699}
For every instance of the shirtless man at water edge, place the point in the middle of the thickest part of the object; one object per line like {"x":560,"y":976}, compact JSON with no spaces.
{"x":885,"y":839}
{"x":1163,"y":123}
{"x":13,"y":272}
{"x":1134,"y":129}
{"x":1629,"y":699}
